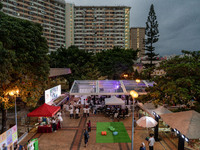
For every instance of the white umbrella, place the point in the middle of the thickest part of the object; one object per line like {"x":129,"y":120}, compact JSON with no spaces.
{"x":146,"y":122}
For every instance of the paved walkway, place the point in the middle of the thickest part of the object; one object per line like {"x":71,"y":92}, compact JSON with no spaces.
{"x":79,"y":133}
{"x":70,"y":137}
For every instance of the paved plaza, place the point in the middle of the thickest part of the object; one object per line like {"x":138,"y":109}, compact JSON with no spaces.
{"x":70,"y":137}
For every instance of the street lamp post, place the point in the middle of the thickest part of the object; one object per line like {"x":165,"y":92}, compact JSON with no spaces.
{"x":134,"y":94}
{"x":15,"y":93}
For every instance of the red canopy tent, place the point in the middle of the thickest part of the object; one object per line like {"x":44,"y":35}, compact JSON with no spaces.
{"x":44,"y":111}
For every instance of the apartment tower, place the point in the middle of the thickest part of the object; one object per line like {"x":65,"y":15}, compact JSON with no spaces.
{"x":49,"y":13}
{"x":98,"y":28}
{"x":137,"y":36}
{"x":91,"y":28}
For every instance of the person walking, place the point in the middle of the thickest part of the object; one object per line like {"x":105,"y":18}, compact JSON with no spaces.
{"x":86,"y":137}
{"x":142,"y":147}
{"x":151,"y":142}
{"x":89,"y":126}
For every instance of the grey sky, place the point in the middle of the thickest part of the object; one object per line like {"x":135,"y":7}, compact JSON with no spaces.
{"x":179,"y":21}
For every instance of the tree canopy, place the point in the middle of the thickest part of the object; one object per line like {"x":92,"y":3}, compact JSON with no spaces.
{"x":181,"y":82}
{"x":81,"y":63}
{"x":115,"y":62}
{"x":23,"y":60}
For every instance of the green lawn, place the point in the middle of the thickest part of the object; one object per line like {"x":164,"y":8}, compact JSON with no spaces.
{"x":122,"y":136}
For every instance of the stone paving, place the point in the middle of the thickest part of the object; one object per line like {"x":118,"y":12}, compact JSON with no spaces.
{"x":70,"y":137}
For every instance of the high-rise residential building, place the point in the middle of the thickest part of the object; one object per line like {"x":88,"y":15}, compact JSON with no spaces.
{"x":137,"y":36}
{"x":51,"y":14}
{"x":69,"y":25}
{"x":98,"y":28}
{"x":92,"y":28}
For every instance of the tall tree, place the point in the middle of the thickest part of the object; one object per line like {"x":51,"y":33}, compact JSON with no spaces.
{"x":81,"y":63}
{"x":23,"y":62}
{"x":151,"y":33}
{"x":115,"y":62}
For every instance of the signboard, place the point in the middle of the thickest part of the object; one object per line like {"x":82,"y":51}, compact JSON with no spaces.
{"x":14,"y":134}
{"x":8,"y":138}
{"x":52,"y":94}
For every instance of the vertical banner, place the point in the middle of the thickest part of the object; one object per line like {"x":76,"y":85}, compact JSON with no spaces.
{"x":8,"y":138}
{"x":14,"y":134}
{"x":3,"y":142}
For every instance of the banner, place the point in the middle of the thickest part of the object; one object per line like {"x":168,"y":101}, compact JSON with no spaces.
{"x":9,"y":137}
{"x":52,"y":94}
{"x":3,"y":141}
{"x":14,"y":134}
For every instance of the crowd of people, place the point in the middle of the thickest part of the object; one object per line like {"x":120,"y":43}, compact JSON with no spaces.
{"x":75,"y":109}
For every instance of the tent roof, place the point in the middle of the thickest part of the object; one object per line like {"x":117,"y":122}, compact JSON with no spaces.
{"x":54,"y":72}
{"x":114,"y":101}
{"x":162,"y":110}
{"x":187,"y":122}
{"x":44,"y":111}
{"x":145,"y":109}
{"x":108,"y":87}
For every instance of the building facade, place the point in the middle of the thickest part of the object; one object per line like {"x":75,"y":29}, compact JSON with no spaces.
{"x":91,"y":28}
{"x":137,"y":36}
{"x":98,"y":28}
{"x":49,"y":13}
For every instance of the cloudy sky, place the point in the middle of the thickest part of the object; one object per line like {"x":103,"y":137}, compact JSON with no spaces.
{"x":179,"y":21}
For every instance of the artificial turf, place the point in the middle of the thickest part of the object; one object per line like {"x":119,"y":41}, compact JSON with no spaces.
{"x":122,"y":136}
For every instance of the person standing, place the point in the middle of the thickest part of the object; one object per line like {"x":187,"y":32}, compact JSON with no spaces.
{"x":89,"y":126}
{"x":30,"y":145}
{"x":71,"y":113}
{"x":151,"y":142}
{"x":142,"y":147}
{"x":77,"y":113}
{"x":60,"y":120}
{"x":126,"y":110}
{"x":88,"y":112}
{"x":61,"y":106}
{"x":84,"y":112}
{"x":4,"y":147}
{"x":86,"y":137}
{"x":54,"y":124}
{"x":140,"y":113}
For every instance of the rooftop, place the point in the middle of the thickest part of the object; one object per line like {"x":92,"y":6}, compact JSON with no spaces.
{"x":108,"y":87}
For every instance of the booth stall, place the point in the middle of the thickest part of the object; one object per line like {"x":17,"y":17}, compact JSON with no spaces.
{"x":44,"y":111}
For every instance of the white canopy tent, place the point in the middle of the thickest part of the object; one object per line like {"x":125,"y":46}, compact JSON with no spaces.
{"x":114,"y":101}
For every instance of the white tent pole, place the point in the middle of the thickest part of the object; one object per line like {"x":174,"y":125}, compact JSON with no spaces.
{"x":97,"y":87}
